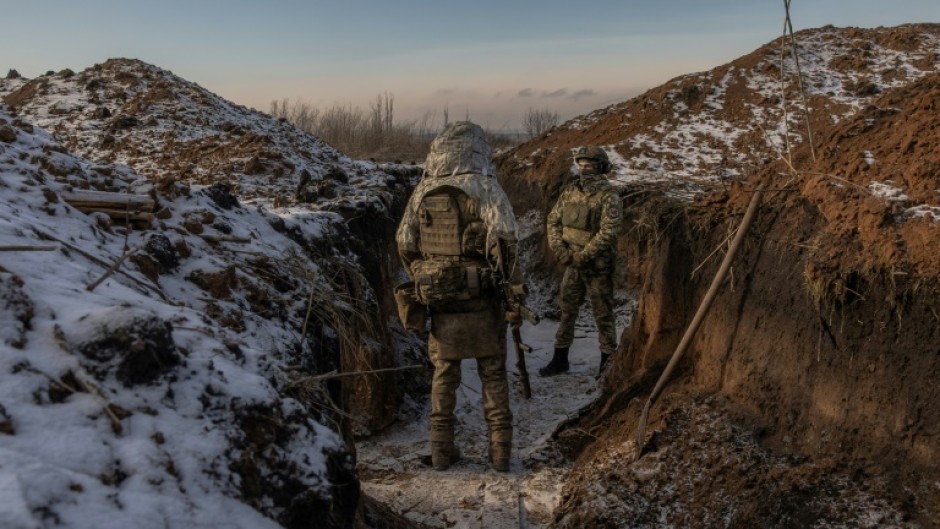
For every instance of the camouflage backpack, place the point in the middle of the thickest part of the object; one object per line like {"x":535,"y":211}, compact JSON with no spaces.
{"x":453,"y":267}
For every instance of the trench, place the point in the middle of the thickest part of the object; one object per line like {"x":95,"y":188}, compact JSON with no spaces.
{"x":394,"y":463}
{"x":764,"y":424}
{"x":393,"y":466}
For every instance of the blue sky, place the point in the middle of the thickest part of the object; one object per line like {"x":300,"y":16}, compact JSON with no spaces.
{"x":490,"y":59}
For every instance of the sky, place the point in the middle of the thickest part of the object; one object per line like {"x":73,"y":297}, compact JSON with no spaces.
{"x":488,"y":60}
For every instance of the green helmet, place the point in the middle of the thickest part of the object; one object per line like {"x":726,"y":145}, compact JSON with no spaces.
{"x":595,"y":153}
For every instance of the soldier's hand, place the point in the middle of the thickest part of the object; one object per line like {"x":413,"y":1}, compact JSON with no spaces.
{"x":514,"y":319}
{"x":565,"y":258}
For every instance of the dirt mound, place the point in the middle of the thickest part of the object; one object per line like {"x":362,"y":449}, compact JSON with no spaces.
{"x":879,"y":185}
{"x":710,"y":469}
{"x":821,"y":351}
{"x":169,"y":129}
{"x":125,"y":113}
{"x":701,"y":129}
{"x":192,"y":393}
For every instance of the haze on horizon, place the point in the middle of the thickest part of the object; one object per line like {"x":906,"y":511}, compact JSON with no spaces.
{"x":487,"y":60}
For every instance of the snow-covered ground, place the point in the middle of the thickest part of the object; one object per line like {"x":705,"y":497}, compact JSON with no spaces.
{"x":92,"y":435}
{"x":702,"y":128}
{"x":393,"y":467}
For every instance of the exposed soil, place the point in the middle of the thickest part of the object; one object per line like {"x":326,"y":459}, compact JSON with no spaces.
{"x":807,"y":398}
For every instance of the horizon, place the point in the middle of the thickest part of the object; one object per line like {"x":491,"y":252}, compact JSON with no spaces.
{"x":492,"y":66}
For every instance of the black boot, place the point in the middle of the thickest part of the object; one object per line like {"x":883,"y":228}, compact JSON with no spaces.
{"x":558,"y":364}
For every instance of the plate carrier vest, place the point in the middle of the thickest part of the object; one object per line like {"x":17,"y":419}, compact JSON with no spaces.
{"x":451,"y":243}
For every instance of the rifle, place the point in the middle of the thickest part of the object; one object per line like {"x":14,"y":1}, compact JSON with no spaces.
{"x":512,"y":295}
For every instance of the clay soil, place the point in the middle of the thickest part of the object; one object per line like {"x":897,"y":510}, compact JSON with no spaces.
{"x":808,"y":398}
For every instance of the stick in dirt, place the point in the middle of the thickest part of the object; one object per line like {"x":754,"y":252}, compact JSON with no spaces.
{"x":334,"y":374}
{"x":111,"y":270}
{"x":46,"y":236}
{"x":697,"y":319}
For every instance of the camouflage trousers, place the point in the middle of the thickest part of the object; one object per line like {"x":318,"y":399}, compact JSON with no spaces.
{"x":492,"y":370}
{"x":600,"y":289}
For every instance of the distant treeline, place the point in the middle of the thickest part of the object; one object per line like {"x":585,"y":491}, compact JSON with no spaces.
{"x":374,"y":133}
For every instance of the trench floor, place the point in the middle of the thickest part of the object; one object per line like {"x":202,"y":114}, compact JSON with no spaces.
{"x":393,"y":465}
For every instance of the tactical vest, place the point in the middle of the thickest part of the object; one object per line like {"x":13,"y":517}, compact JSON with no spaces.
{"x":577,"y":224}
{"x":440,"y":228}
{"x":451,"y":240}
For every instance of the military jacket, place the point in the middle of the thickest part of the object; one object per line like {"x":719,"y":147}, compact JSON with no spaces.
{"x":586,"y":218}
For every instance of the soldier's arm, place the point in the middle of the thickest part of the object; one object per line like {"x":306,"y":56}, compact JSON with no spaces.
{"x":611,"y":221}
{"x":554,"y":228}
{"x":516,"y":294}
{"x":407,"y":258}
{"x":408,"y":235}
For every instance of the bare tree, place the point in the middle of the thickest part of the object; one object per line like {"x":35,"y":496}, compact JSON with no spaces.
{"x":305,"y":116}
{"x":538,"y":121}
{"x":279,"y":109}
{"x":302,"y":115}
{"x":371,"y":133}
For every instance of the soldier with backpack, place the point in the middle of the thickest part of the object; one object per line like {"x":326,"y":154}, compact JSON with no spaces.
{"x":456,"y":229}
{"x":582,"y":233}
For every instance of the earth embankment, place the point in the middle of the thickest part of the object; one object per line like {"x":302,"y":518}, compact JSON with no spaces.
{"x":807,"y":397}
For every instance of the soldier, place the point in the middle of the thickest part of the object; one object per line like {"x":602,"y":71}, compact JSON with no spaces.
{"x":457,"y":227}
{"x":582,"y":233}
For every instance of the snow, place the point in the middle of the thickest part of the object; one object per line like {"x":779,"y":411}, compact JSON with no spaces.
{"x":888,"y":191}
{"x":924,"y":211}
{"x":469,"y":494}
{"x":705,"y":135}
{"x":891,"y":193}
{"x":819,"y":52}
{"x":165,"y":461}
{"x":176,"y":117}
{"x":168,"y":463}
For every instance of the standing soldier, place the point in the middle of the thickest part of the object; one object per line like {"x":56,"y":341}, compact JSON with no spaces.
{"x":457,"y":229}
{"x":582,"y":233}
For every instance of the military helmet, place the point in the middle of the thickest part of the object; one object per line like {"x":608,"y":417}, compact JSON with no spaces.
{"x":596,"y":154}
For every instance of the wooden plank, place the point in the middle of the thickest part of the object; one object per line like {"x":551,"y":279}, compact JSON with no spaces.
{"x":106,"y":199}
{"x":119,"y":214}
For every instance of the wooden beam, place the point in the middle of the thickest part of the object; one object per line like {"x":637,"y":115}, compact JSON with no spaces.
{"x":107,"y":199}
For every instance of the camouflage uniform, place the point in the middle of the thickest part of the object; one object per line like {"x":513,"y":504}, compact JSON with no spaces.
{"x":454,"y":219}
{"x":582,"y":232}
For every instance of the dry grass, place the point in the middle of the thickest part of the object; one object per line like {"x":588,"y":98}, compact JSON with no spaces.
{"x":337,"y":299}
{"x":373,"y":133}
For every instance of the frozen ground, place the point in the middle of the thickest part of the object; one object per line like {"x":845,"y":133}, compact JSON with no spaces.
{"x":470,"y":495}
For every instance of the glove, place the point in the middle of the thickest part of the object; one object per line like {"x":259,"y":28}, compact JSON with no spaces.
{"x":514,"y":319}
{"x":565,"y":258}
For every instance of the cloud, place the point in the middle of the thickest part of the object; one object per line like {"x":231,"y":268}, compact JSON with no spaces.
{"x":557,"y":93}
{"x":526,"y":92}
{"x":583,"y":93}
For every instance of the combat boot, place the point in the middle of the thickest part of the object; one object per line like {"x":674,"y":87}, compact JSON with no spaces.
{"x":443,"y":455}
{"x":558,"y":363}
{"x":499,"y":456}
